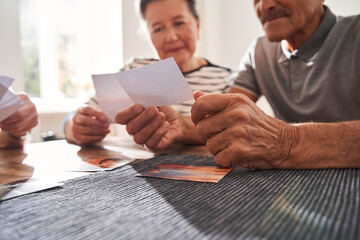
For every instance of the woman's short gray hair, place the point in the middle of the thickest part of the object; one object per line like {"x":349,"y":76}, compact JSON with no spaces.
{"x":191,"y":4}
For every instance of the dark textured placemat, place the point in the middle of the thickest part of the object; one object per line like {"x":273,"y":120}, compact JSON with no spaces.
{"x":245,"y":204}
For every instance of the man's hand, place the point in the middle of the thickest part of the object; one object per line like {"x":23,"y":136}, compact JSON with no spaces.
{"x":237,"y":132}
{"x":89,"y":125}
{"x":156,"y":128}
{"x":23,"y":120}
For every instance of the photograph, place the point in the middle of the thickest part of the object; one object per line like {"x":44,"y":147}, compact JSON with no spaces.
{"x":191,"y":173}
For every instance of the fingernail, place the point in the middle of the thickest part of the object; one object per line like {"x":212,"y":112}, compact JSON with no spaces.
{"x":151,"y":113}
{"x":138,"y":108}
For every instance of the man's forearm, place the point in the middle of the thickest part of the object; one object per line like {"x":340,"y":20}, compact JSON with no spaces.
{"x":326,"y":145}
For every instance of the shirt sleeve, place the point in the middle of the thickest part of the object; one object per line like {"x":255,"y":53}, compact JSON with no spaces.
{"x":245,"y":77}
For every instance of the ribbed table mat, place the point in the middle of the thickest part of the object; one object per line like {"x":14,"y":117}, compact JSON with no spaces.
{"x":245,"y":204}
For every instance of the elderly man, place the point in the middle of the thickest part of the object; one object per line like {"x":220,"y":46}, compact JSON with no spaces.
{"x":307,"y":66}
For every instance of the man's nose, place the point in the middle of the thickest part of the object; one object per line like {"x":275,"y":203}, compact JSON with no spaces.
{"x":266,"y":5}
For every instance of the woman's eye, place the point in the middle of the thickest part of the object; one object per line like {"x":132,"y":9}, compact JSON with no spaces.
{"x":157,"y":29}
{"x":178,"y":23}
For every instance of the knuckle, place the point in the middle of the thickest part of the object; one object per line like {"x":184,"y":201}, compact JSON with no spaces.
{"x":195,"y":106}
{"x":130,"y":129}
{"x":240,"y":98}
{"x":221,"y":161}
{"x":119,"y":118}
{"x":240,"y":114}
{"x":240,"y":133}
{"x":211,"y":146}
{"x":76,"y":120}
{"x":137,"y":108}
{"x":138,"y":139}
{"x":151,"y":145}
{"x":212,"y":151}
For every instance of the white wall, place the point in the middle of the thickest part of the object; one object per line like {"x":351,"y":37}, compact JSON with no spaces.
{"x":344,"y":7}
{"x":10,"y":53}
{"x":134,"y":40}
{"x":228,"y":28}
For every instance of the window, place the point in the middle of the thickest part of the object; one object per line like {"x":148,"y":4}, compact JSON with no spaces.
{"x":63,"y":42}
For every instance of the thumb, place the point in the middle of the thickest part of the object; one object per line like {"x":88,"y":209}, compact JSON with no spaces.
{"x":198,"y":94}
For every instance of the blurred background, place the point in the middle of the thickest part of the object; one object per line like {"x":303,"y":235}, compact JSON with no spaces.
{"x":51,"y":47}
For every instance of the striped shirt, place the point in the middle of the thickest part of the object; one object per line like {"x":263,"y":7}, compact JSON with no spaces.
{"x":209,"y":78}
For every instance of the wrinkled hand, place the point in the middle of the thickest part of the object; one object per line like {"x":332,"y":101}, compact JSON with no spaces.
{"x":237,"y":132}
{"x":23,"y":120}
{"x":89,"y":125}
{"x":156,"y":128}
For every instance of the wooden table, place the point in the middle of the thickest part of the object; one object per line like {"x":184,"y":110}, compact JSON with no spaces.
{"x":49,"y":159}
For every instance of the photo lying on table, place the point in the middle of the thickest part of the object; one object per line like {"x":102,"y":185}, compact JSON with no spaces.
{"x":99,"y":164}
{"x":211,"y":174}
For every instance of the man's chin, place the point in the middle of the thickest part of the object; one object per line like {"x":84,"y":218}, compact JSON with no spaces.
{"x":276,"y":32}
{"x":274,"y":37}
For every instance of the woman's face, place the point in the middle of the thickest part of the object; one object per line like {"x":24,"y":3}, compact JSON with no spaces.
{"x":173,"y":29}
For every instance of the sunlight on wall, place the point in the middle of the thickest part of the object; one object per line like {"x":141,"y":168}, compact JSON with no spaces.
{"x":72,"y":40}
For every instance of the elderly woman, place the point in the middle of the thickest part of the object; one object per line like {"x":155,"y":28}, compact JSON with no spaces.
{"x":174,"y":27}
